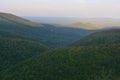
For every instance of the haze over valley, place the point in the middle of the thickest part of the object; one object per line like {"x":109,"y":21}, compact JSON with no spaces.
{"x":60,"y":40}
{"x":92,"y":23}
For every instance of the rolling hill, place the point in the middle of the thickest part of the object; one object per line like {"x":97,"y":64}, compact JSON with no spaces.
{"x":15,"y":48}
{"x":105,"y":22}
{"x":95,"y":23}
{"x":12,"y":19}
{"x":54,"y":36}
{"x":76,"y":63}
{"x":84,"y":25}
{"x":100,"y":38}
{"x":13,"y":51}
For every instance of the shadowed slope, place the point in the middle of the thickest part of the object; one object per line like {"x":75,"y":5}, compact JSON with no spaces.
{"x":81,"y":63}
{"x":13,"y":51}
{"x":99,"y":38}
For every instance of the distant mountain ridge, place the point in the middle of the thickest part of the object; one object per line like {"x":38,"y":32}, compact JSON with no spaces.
{"x":84,"y":25}
{"x":96,"y":24}
{"x":75,"y":22}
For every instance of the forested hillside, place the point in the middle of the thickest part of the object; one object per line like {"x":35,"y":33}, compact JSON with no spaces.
{"x":76,"y":63}
{"x":13,"y":51}
{"x":100,"y":38}
{"x":15,"y":48}
{"x":8,"y":18}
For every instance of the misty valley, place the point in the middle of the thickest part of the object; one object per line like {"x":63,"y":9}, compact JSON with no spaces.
{"x":51,"y":48}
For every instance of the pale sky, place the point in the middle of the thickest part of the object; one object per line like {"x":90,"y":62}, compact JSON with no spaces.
{"x":62,"y":8}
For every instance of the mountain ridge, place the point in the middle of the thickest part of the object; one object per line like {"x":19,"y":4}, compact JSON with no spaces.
{"x":100,"y":38}
{"x":13,"y":18}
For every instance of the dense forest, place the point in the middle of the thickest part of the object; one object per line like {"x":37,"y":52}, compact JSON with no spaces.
{"x":100,"y":38}
{"x":13,"y":50}
{"x":76,"y":63}
{"x":33,"y":51}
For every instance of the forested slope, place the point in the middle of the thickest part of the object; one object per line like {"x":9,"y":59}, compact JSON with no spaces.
{"x":100,"y":38}
{"x":76,"y":63}
{"x":13,"y":51}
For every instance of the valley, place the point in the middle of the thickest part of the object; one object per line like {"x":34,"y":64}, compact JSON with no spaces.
{"x":34,"y":50}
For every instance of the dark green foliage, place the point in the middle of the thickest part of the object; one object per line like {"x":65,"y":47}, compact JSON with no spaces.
{"x":15,"y":47}
{"x":12,"y":35}
{"x":16,"y":50}
{"x":79,"y":63}
{"x":100,"y":38}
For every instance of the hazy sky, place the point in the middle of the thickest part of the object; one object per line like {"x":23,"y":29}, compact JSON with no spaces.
{"x":68,"y":8}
